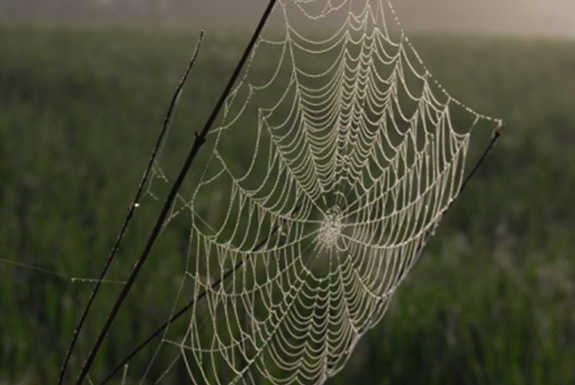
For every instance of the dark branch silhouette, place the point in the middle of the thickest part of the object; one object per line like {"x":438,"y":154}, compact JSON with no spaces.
{"x":197,"y":144}
{"x":135,"y":202}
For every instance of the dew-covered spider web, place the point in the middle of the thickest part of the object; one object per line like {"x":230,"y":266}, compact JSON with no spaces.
{"x":334,"y":161}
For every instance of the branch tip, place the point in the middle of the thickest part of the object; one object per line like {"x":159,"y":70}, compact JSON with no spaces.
{"x":499,"y":128}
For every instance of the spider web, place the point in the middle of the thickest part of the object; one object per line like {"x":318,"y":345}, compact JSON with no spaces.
{"x":336,"y":158}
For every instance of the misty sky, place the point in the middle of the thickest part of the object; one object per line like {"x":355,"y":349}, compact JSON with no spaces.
{"x":532,"y":17}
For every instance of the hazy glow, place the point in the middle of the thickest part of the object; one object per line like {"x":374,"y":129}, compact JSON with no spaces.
{"x":524,"y":17}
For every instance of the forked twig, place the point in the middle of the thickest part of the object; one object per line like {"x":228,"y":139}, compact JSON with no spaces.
{"x":198,"y":142}
{"x":135,"y":202}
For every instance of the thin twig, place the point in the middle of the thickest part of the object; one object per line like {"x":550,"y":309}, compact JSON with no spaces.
{"x":198,"y":142}
{"x":496,"y":134}
{"x":429,"y":233}
{"x":135,"y":203}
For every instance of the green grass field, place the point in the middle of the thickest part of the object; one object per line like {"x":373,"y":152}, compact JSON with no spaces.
{"x":491,"y":301}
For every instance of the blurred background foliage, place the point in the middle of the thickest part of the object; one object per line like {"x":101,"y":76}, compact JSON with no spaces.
{"x":491,"y":300}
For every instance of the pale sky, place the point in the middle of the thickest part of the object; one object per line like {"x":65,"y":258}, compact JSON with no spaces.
{"x":532,"y":17}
